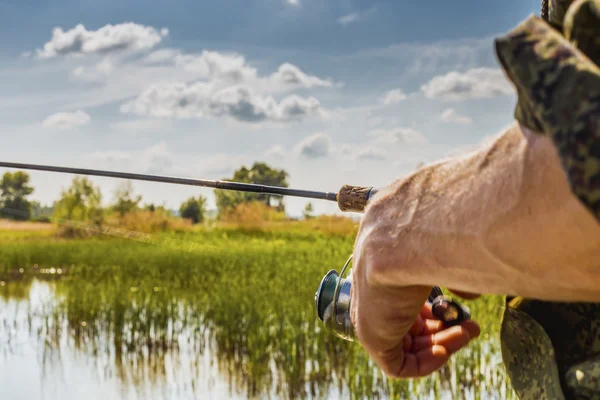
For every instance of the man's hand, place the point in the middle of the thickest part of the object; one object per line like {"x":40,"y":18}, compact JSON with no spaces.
{"x":398,"y":329}
{"x":428,"y":345}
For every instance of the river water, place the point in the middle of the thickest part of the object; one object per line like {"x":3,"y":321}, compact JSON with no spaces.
{"x":42,"y":356}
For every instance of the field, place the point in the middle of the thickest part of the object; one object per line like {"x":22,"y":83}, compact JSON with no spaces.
{"x":242,"y":298}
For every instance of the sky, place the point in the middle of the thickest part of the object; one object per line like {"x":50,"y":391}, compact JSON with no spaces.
{"x":334,"y":92}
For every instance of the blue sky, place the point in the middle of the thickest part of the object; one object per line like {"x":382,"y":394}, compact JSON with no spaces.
{"x":334,"y":92}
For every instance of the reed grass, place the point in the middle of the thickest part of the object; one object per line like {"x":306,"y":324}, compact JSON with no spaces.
{"x":247,"y":297}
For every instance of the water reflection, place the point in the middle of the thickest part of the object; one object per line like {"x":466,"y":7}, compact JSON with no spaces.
{"x":44,"y":355}
{"x":72,"y":338}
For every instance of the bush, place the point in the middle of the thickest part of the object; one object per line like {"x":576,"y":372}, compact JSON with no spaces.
{"x":149,"y":221}
{"x":257,"y":216}
{"x":42,"y":219}
{"x":141,"y":221}
{"x":252,"y":215}
{"x":331,"y":225}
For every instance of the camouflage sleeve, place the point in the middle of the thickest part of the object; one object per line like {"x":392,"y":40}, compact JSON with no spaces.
{"x":557,"y":78}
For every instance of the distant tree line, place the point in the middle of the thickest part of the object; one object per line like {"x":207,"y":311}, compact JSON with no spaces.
{"x":82,"y":201}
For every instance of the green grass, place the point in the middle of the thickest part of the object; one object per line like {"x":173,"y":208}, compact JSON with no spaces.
{"x":250,"y":296}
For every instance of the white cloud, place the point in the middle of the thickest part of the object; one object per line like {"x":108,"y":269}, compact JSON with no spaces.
{"x":288,"y":74}
{"x":293,"y":2}
{"x":476,"y":83}
{"x":119,"y":76}
{"x":418,"y":58}
{"x":321,"y":145}
{"x":348,"y":18}
{"x":201,"y":99}
{"x":276,"y":151}
{"x":111,"y":156}
{"x":397,"y":135}
{"x":370,"y":153}
{"x":79,"y":71}
{"x":234,"y":68}
{"x":316,"y":146}
{"x":140,"y":126}
{"x":109,"y":38}
{"x":393,"y":97}
{"x":159,"y":159}
{"x":354,"y":16}
{"x":169,"y":83}
{"x":450,"y":115}
{"x":98,"y":73}
{"x":362,"y":152}
{"x":347,"y":149}
{"x":216,"y":65}
{"x":156,"y":159}
{"x":105,"y":66}
{"x":221,"y":165}
{"x":66,"y":120}
{"x":161,"y":56}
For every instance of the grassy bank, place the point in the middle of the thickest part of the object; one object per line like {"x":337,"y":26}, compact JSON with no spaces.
{"x":249,"y":293}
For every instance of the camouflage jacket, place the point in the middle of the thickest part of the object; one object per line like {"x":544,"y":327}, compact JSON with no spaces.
{"x":552,"y":350}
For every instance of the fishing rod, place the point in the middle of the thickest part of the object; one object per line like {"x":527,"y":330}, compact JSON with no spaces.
{"x":332,"y":299}
{"x":349,"y":198}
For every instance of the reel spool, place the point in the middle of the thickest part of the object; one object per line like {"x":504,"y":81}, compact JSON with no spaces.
{"x":332,"y":301}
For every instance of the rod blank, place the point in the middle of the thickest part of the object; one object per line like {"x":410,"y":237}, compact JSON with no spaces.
{"x":225,"y":185}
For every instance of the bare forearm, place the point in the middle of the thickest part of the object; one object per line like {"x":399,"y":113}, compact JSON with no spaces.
{"x":502,"y":220}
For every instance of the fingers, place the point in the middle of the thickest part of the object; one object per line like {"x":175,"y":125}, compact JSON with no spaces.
{"x":420,"y":328}
{"x":432,"y":326}
{"x":425,"y":321}
{"x":424,"y":362}
{"x":453,"y":338}
{"x":426,"y":312}
{"x":426,"y":354}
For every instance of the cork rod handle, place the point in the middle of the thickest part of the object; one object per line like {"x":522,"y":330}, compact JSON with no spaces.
{"x":354,"y":198}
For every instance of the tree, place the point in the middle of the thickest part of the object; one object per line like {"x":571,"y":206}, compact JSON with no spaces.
{"x":14,"y":189}
{"x":308,"y":211}
{"x":193,"y":209}
{"x":154,"y":208}
{"x":40,"y":213}
{"x":80,"y":202}
{"x":125,"y":201}
{"x":36,"y":208}
{"x":260,"y":173}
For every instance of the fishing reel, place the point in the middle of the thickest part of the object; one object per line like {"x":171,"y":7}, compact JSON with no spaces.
{"x":332,"y":301}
